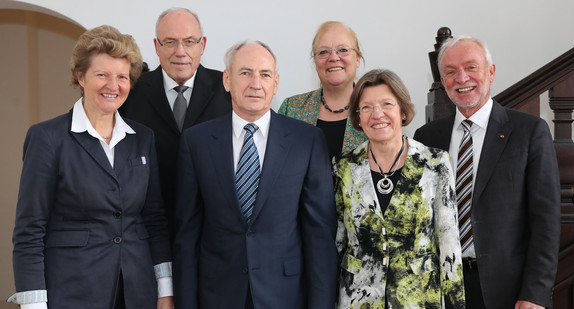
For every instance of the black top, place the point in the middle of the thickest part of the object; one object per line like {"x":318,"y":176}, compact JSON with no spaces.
{"x":385,"y":199}
{"x":334,"y":133}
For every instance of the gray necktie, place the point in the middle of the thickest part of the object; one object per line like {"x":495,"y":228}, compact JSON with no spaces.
{"x":180,"y":106}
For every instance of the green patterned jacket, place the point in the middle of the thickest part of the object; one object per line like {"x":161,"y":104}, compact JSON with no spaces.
{"x":306,"y":107}
{"x":410,"y":257}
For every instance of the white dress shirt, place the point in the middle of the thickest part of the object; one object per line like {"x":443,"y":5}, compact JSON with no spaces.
{"x":259,"y":137}
{"x":171,"y":94}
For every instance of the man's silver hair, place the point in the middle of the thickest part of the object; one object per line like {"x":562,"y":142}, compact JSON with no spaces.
{"x":237,"y":46}
{"x":463,"y":38}
{"x":176,"y":9}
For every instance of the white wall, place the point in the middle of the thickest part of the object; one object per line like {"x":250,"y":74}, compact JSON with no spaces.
{"x":522,"y":35}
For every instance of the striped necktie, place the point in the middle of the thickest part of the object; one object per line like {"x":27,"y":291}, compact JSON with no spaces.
{"x":464,"y":179}
{"x":247,"y":175}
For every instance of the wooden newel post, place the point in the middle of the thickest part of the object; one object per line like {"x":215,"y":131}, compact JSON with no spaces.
{"x":561,"y":99}
{"x":439,"y":105}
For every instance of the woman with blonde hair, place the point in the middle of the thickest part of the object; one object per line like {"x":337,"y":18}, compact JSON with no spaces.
{"x":90,"y":228}
{"x":337,"y":55}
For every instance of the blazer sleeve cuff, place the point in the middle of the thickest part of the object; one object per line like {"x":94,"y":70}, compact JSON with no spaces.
{"x":163,"y":270}
{"x":30,"y":297}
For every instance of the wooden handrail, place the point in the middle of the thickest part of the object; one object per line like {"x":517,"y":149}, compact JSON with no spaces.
{"x":538,"y":82}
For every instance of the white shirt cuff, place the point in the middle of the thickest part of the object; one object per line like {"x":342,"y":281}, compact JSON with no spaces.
{"x":164,"y":287}
{"x":34,"y":306}
{"x":163,"y":275}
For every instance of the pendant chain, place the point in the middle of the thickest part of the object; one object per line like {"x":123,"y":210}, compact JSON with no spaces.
{"x":385,"y":185}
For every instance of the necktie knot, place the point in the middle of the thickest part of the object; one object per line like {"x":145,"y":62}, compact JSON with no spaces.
{"x":180,"y":89}
{"x":466,"y":124}
{"x":250,"y":128}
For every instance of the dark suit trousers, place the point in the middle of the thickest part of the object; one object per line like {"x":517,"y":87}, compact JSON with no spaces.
{"x":472,"y":290}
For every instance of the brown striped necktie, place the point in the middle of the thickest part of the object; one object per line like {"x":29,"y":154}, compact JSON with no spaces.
{"x":464,"y":179}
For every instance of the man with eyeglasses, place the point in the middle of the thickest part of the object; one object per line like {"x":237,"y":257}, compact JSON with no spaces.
{"x":177,"y":94}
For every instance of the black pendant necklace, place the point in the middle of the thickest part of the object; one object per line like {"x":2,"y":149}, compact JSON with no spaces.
{"x":385,"y":185}
{"x":329,"y":109}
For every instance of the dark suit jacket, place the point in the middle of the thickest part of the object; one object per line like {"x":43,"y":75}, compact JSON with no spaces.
{"x":79,"y":222}
{"x":148,"y":105}
{"x":286,"y":256}
{"x":515,"y":206}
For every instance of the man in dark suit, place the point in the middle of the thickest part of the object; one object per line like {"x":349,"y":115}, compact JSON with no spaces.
{"x":510,"y":252}
{"x":276,"y":247}
{"x":179,"y":43}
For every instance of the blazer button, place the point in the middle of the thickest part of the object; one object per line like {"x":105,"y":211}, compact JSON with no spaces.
{"x":117,"y":214}
{"x":245,"y":270}
{"x":117,"y":239}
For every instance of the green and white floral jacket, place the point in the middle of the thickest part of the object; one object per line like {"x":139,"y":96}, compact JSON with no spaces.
{"x":408,"y":257}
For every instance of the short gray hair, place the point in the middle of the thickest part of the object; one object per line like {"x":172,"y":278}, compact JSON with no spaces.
{"x":237,"y":46}
{"x":176,"y":9}
{"x":463,"y":38}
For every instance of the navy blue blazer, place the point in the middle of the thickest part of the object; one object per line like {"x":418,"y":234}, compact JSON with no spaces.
{"x":515,"y":206}
{"x":148,"y":105}
{"x":286,"y":256}
{"x":80,"y":222}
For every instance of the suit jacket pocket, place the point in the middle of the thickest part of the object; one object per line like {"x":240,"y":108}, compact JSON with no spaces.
{"x":141,"y":160}
{"x":141,"y":231}
{"x":67,"y":238}
{"x":351,"y":264}
{"x":292,"y":267}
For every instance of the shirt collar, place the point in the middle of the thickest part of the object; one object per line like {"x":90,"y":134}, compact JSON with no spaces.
{"x":262,"y":123}
{"x":480,"y":118}
{"x":169,"y":83}
{"x":81,"y":123}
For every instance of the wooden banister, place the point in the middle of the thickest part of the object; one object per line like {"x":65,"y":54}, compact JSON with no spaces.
{"x":538,"y":82}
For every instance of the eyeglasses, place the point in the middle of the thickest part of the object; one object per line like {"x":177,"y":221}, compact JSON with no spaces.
{"x":368,"y":109}
{"x":173,"y":44}
{"x":342,"y":51}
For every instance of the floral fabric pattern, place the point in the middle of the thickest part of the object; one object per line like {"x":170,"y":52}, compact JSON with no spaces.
{"x":306,"y":107}
{"x":408,"y":257}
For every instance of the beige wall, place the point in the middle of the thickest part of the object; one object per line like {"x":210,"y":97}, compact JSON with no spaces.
{"x":34,"y":60}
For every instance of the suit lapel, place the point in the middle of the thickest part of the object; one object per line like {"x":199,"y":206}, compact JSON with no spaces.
{"x":121,"y":153}
{"x":497,"y":135}
{"x":200,"y":96}
{"x":444,"y":130}
{"x":158,"y":99}
{"x":220,"y":147}
{"x":94,"y":149}
{"x":278,"y":142}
